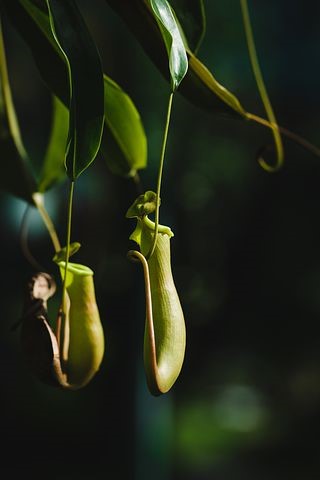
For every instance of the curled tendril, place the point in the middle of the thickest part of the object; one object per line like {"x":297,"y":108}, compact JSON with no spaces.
{"x":262,"y":91}
{"x":310,"y":147}
{"x":263,"y":163}
{"x":279,"y":151}
{"x":136,"y":257}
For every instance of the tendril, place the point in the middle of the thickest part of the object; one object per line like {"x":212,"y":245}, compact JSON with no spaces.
{"x":260,"y":157}
{"x":263,"y":91}
{"x":136,"y":257}
{"x":24,"y":241}
{"x":294,"y":137}
{"x":69,"y":221}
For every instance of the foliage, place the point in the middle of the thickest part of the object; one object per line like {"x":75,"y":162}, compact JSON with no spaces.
{"x":93,"y":117}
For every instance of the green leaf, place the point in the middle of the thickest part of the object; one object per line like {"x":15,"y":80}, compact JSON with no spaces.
{"x":16,"y":174}
{"x":33,"y":25}
{"x":198,"y":86}
{"x":38,"y":10}
{"x":192,"y":18}
{"x":178,"y":62}
{"x":124,"y":143}
{"x":53,"y":169}
{"x":86,"y":85}
{"x":202,"y":80}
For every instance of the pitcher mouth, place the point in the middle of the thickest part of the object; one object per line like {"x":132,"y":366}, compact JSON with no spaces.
{"x":76,"y":268}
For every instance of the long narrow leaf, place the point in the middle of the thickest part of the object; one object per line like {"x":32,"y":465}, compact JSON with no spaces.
{"x":86,"y":85}
{"x":53,"y":168}
{"x":139,"y":19}
{"x":202,"y":80}
{"x":124,"y":143}
{"x":33,"y":25}
{"x":178,"y":61}
{"x":197,"y":86}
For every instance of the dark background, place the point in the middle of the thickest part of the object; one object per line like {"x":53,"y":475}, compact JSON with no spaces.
{"x":245,"y":258}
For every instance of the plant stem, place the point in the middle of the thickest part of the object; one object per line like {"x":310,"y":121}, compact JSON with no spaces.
{"x":15,"y":132}
{"x":262,"y":89}
{"x":70,"y":202}
{"x":287,"y":133}
{"x":38,"y":201}
{"x":138,"y":184}
{"x":24,"y":241}
{"x":163,"y":150}
{"x":7,"y":97}
{"x":203,"y":15}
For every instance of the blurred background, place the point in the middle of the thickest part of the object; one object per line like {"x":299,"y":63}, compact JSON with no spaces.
{"x":246,"y":263}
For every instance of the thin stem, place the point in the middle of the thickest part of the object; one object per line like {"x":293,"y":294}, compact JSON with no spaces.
{"x":15,"y":132}
{"x":262,"y":89}
{"x":287,"y":133}
{"x":71,"y":192}
{"x":203,"y":15}
{"x":24,"y":240}
{"x":138,"y":184}
{"x":136,"y":256}
{"x":38,"y":201}
{"x":163,"y":150}
{"x":7,"y":97}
